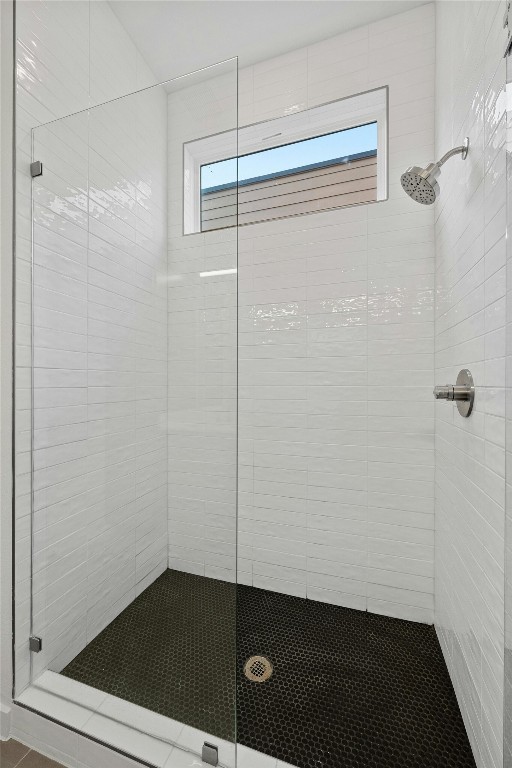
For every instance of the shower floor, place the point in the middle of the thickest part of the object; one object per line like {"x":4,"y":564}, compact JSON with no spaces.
{"x":349,"y":689}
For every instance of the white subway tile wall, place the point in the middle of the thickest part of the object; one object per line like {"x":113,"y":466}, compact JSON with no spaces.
{"x":100,"y":328}
{"x":202,"y":351}
{"x":470,"y":333}
{"x":100,"y":368}
{"x":336,"y":352}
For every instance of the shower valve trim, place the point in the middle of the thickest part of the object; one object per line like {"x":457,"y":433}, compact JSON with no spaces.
{"x":462,"y":393}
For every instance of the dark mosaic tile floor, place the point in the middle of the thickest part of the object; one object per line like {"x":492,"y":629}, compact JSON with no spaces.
{"x":172,"y":651}
{"x":349,"y":689}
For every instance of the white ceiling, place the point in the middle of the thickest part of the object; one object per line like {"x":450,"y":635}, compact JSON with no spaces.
{"x":180,"y":36}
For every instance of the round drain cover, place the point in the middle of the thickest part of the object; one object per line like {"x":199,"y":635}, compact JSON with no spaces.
{"x":258,"y":669}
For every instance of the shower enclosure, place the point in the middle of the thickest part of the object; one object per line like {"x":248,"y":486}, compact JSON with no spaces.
{"x":225,"y":424}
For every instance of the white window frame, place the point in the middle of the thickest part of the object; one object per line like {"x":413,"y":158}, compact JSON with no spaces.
{"x":349,"y":112}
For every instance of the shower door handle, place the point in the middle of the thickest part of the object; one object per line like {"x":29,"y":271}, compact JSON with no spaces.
{"x":462,"y":392}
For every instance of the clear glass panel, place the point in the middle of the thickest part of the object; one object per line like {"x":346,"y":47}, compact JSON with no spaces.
{"x":62,"y":454}
{"x":134,"y":420}
{"x":505,"y":137}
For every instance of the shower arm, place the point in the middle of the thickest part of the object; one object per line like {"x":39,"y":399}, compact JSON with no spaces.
{"x":462,"y":150}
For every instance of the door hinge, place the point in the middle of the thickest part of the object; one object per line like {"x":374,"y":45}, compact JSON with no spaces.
{"x":35,"y":644}
{"x":210,"y":754}
{"x":36,"y":168}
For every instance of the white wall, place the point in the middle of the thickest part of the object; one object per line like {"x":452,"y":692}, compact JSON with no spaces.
{"x":100,"y":337}
{"x":202,"y":351}
{"x":470,"y":318}
{"x":336,"y":334}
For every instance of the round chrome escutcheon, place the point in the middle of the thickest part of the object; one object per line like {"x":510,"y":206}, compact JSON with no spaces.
{"x":465,"y":379}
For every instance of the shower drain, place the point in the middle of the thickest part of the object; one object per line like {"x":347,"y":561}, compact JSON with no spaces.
{"x":258,"y":669}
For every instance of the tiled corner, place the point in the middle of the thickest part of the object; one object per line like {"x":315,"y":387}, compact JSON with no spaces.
{"x":470,"y":333}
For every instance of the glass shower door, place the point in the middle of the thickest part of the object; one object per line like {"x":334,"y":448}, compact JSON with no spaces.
{"x":134,"y":406}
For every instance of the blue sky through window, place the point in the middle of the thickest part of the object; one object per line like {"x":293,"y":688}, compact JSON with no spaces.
{"x":278,"y":159}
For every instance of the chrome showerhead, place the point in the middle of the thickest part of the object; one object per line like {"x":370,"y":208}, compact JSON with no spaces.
{"x":421,"y":183}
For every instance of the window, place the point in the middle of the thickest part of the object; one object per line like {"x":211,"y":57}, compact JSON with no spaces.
{"x":300,"y":168}
{"x":328,"y":171}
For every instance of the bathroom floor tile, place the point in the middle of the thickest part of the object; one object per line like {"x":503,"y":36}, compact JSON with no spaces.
{"x":348,"y":688}
{"x":35,"y":760}
{"x":172,"y":651}
{"x":11,"y":752}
